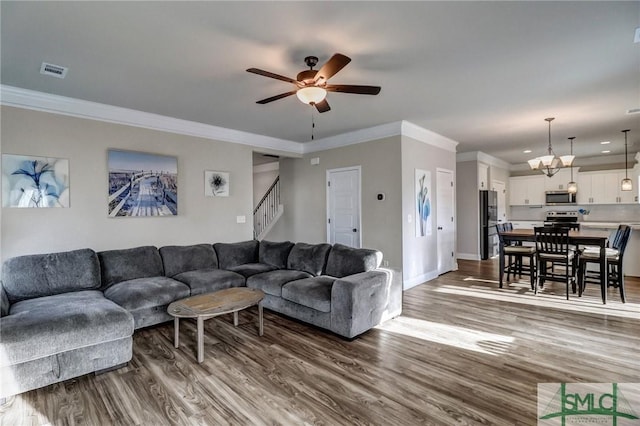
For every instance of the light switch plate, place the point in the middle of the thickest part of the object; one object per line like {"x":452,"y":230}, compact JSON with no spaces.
{"x":241,"y":219}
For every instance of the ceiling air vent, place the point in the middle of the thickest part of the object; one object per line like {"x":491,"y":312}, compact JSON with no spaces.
{"x":633,"y":111}
{"x":53,"y":70}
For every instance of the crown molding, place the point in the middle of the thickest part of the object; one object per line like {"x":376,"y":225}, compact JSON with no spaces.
{"x":397,"y":128}
{"x":55,"y":104}
{"x":46,"y":102}
{"x":427,"y":136}
{"x":483,"y":158}
{"x":355,"y":137}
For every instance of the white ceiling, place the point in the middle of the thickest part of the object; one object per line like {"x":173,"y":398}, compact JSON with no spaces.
{"x":485,"y":74}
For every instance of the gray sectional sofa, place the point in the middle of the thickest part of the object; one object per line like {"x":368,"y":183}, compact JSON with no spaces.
{"x":67,"y":314}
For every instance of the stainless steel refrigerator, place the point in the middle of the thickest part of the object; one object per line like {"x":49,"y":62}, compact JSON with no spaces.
{"x":488,"y":221}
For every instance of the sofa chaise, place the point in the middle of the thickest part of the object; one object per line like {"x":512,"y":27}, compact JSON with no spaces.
{"x":68,"y":314}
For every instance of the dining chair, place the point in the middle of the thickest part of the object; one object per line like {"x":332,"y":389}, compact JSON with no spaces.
{"x":615,"y":256}
{"x":514,"y":254}
{"x":552,"y":246}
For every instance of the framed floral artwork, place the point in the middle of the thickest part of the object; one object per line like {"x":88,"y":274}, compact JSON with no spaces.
{"x":216,"y":184}
{"x":34,"y":182}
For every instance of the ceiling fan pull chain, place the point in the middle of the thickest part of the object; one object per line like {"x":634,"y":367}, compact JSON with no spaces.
{"x":313,"y":123}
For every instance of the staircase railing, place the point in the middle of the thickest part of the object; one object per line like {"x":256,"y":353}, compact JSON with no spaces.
{"x":267,"y":208}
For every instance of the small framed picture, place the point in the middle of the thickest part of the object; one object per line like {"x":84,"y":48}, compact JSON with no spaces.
{"x":216,"y":184}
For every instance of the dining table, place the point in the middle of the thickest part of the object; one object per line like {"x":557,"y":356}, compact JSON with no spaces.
{"x":588,"y":237}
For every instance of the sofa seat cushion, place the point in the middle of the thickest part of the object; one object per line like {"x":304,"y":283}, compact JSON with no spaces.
{"x":209,"y":280}
{"x":49,"y":325}
{"x":271,"y":282}
{"x":249,"y":269}
{"x":147,"y":292}
{"x":314,"y":293}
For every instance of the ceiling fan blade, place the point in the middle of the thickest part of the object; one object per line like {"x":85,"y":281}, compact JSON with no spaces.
{"x":350,"y":88}
{"x":272,"y":75}
{"x":323,"y":106}
{"x":276,"y":97}
{"x":331,"y":68}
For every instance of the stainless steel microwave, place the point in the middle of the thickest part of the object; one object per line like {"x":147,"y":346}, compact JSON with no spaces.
{"x":559,"y":198}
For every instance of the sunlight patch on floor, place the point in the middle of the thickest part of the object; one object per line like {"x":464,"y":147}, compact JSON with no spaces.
{"x":451,"y":335}
{"x":521,"y":293}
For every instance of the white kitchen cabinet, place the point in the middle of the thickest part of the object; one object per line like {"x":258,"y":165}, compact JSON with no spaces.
{"x":559,"y":181}
{"x":483,"y":176}
{"x":526,"y":224}
{"x":526,"y":190}
{"x":603,"y":188}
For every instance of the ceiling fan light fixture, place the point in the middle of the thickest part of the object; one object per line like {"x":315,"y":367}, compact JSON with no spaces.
{"x":311,"y":95}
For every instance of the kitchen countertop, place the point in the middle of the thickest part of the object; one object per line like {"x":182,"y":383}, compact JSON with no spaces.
{"x":606,"y":225}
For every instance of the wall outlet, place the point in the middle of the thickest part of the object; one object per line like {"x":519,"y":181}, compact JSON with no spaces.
{"x":241,"y":219}
{"x":315,"y":161}
{"x":385,"y":263}
{"x":409,"y":218}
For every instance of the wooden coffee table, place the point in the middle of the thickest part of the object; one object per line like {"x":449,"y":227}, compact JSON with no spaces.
{"x":209,"y":305}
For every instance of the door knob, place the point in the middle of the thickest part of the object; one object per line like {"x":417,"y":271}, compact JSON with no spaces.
{"x":439,"y":228}
{"x":355,"y":230}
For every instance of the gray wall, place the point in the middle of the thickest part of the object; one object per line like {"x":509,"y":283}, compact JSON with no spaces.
{"x":262,"y":181}
{"x":85,"y":223}
{"x":467,"y":208}
{"x":420,"y":254}
{"x":304,"y":196}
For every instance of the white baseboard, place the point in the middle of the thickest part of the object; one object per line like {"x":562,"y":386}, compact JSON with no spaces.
{"x":417,"y":280}
{"x":468,"y":256}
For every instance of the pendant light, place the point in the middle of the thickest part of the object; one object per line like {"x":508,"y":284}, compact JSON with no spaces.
{"x":550,"y":164}
{"x":626,"y":184}
{"x":572,"y":187}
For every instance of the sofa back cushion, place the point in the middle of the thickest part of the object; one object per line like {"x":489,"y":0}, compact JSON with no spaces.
{"x":129,"y":264}
{"x":344,"y":261}
{"x":179,"y":259}
{"x":310,"y":258}
{"x":28,"y":277}
{"x":234,"y":254}
{"x":274,"y":254}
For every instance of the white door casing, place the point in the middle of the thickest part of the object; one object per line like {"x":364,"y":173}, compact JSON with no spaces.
{"x":500,"y":188}
{"x":343,"y":206}
{"x":445,"y":211}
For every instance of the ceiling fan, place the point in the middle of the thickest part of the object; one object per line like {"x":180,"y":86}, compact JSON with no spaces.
{"x":311,"y":85}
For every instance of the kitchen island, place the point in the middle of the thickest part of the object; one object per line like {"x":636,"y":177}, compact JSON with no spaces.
{"x":631,"y":263}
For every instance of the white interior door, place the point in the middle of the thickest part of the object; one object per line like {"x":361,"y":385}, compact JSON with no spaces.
{"x":445,"y":211}
{"x":343,"y":206}
{"x":501,"y":189}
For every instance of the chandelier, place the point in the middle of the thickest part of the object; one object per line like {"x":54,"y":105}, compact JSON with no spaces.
{"x":550,"y":164}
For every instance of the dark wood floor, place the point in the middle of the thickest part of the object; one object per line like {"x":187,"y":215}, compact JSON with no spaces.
{"x":462,"y":352}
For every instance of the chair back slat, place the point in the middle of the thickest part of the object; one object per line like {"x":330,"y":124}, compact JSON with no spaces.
{"x":552,"y":240}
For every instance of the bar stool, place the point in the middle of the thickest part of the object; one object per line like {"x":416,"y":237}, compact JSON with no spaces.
{"x":615,"y":255}
{"x":513,"y":254}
